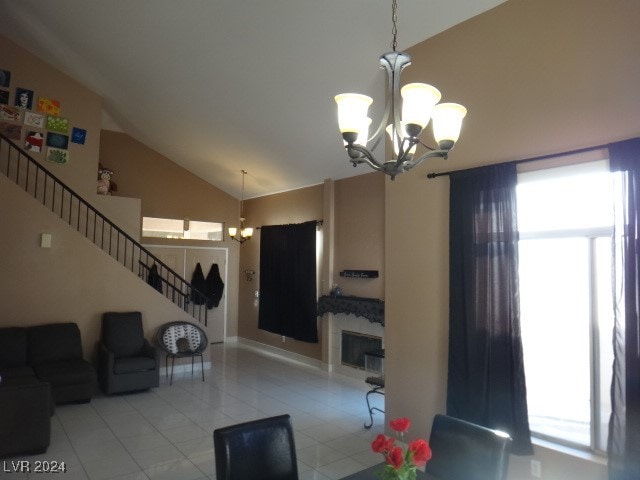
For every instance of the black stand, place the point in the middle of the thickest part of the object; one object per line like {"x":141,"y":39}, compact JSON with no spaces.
{"x":375,"y":382}
{"x":377,"y":386}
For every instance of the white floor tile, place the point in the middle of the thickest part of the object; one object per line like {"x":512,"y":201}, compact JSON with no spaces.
{"x":166,"y":433}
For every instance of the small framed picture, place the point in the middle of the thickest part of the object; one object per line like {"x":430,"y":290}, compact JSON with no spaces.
{"x":9,"y":113}
{"x":57,"y":124}
{"x":11,"y":130}
{"x":57,"y":155}
{"x":34,"y":119}
{"x":5,"y":78}
{"x":48,"y":106}
{"x":78,"y":135}
{"x":57,"y":140}
{"x":4,"y":97}
{"x":33,"y":142}
{"x":24,"y":98}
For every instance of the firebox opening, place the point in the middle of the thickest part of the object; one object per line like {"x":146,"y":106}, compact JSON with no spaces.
{"x":354,"y":346}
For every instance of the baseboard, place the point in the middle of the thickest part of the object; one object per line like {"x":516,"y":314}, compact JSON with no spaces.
{"x":278,"y":352}
{"x":185,"y":368}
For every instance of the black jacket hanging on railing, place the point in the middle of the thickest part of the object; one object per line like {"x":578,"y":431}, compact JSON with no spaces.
{"x":154,"y":279}
{"x":198,"y":283}
{"x":214,"y":286}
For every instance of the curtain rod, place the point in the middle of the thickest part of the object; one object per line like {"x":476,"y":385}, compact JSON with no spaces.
{"x":525,"y":160}
{"x":318,"y":222}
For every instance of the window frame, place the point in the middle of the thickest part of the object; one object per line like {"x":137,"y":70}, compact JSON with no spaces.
{"x":596,"y":426}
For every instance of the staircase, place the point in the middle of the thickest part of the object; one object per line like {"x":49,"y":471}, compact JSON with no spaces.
{"x":19,"y":167}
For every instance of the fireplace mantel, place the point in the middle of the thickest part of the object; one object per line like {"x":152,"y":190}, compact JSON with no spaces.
{"x":370,"y":308}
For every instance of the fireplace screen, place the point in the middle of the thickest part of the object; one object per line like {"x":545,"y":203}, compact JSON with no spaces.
{"x":354,"y":345}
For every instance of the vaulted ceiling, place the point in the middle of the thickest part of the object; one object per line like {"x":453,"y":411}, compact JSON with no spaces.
{"x":219,"y":86}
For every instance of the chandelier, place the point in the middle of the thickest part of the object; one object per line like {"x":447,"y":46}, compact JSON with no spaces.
{"x":419,"y":104}
{"x":245,"y":232}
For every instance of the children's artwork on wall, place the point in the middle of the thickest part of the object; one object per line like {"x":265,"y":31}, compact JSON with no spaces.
{"x":24,"y":98}
{"x":34,"y":119}
{"x":9,"y":113}
{"x":57,"y":155}
{"x":57,"y":124}
{"x":4,"y":97}
{"x":57,"y":140}
{"x":11,"y":130}
{"x":48,"y":106}
{"x":78,"y":135}
{"x":33,"y":142}
{"x":5,"y":78}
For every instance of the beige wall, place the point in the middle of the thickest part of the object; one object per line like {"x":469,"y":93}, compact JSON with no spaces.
{"x":73,"y":281}
{"x":78,"y":104}
{"x":297,"y":206}
{"x":170,"y":191}
{"x":359,"y":233}
{"x":353,"y":237}
{"x":537,"y":77}
{"x":167,"y":190}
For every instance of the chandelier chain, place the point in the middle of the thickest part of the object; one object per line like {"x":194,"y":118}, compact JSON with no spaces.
{"x":394,"y":28}
{"x":244,"y":172}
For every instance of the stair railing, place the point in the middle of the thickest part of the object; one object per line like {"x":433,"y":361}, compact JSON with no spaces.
{"x":26,"y":172}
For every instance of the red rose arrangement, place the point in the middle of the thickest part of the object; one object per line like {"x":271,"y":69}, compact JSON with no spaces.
{"x":401,"y":464}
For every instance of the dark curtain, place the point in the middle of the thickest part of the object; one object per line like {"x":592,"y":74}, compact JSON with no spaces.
{"x":624,"y":425}
{"x":486,"y":382}
{"x":288,"y":281}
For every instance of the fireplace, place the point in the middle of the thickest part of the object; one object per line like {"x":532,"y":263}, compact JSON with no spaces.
{"x":354,"y":345}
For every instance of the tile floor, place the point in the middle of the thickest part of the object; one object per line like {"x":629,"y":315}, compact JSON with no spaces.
{"x":166,"y":433}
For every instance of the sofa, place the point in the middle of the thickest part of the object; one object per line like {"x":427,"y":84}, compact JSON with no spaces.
{"x":25,"y":416}
{"x":50,"y":353}
{"x":40,"y":366}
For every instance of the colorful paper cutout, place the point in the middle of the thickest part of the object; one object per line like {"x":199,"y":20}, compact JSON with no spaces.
{"x":57,"y":124}
{"x":49,"y":106}
{"x":78,"y":135}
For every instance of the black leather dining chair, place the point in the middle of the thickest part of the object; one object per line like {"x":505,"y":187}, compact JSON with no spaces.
{"x":466,"y":451}
{"x":258,"y":450}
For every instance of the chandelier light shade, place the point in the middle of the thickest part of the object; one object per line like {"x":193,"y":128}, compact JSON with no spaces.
{"x":408,"y":111}
{"x":245,"y":233}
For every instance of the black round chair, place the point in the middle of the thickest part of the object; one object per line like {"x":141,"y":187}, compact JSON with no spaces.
{"x":179,"y":340}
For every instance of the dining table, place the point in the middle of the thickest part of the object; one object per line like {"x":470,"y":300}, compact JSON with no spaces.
{"x":373,"y":473}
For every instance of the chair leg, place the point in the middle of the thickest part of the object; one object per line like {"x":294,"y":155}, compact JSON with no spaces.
{"x":370,"y":408}
{"x":173,"y":361}
{"x":192,"y":357}
{"x":202,"y":365}
{"x":166,"y":367}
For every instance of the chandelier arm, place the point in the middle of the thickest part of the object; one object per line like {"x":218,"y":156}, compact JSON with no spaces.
{"x":394,"y":62}
{"x":379,"y":135}
{"x":428,"y":147}
{"x":396,"y":105}
{"x":434,"y":153}
{"x":367,"y":157}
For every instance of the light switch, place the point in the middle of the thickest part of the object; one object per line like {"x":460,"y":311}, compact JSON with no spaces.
{"x":45,"y":240}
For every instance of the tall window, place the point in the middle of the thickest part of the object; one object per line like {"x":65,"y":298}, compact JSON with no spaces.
{"x":565,"y":218}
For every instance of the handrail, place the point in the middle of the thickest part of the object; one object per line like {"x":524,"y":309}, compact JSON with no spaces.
{"x":17,"y":167}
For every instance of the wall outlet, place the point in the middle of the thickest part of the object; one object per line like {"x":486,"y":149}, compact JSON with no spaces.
{"x":536,"y":469}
